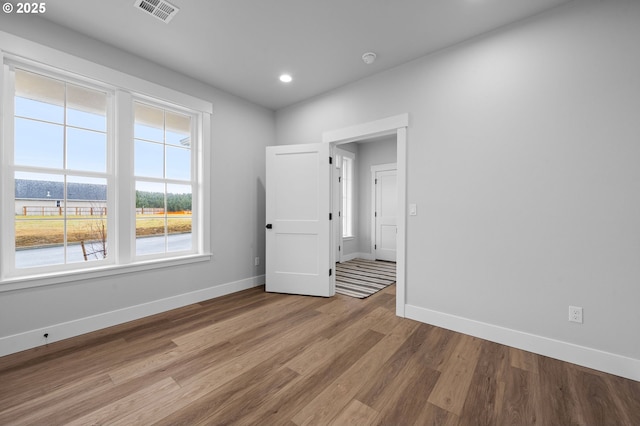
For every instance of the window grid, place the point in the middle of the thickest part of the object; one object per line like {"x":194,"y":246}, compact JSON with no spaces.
{"x":347,"y":196}
{"x":87,"y":232}
{"x":163,"y":204}
{"x":65,"y":171}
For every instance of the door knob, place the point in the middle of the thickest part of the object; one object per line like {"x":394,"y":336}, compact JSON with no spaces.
{"x":269,"y":226}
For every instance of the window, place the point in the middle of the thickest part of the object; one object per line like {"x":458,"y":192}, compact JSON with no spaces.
{"x":61,"y":175}
{"x":347,"y":194}
{"x":80,"y":154}
{"x":163,"y":177}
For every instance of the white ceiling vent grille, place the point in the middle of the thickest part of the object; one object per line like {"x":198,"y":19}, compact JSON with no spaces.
{"x":159,"y":9}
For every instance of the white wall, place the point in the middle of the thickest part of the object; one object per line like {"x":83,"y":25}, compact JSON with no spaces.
{"x":370,"y":154}
{"x":240,"y":133}
{"x":523,"y":162}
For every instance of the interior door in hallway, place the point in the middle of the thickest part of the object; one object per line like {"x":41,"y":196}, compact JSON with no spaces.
{"x":386,"y":200}
{"x":298,"y":207}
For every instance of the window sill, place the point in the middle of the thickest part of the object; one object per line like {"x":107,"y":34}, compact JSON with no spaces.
{"x":349,"y":238}
{"x":31,"y":281}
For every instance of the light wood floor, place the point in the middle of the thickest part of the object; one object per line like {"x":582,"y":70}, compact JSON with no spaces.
{"x":268,"y":359}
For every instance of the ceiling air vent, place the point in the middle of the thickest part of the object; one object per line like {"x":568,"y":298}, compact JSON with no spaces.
{"x":159,"y":9}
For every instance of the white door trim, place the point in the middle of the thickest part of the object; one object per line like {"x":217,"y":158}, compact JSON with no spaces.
{"x":364,"y":132}
{"x":376,"y":168}
{"x":337,"y":202}
{"x":372,"y":129}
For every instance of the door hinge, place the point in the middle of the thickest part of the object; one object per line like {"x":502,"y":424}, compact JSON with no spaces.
{"x":330,"y":160}
{"x":339,"y":179}
{"x":339,"y":214}
{"x":330,"y":216}
{"x":330,"y":272}
{"x":375,"y":214}
{"x":376,"y":181}
{"x":375,"y":247}
{"x":339,"y":248}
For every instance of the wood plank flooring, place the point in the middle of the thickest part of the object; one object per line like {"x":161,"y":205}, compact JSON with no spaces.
{"x":268,"y":359}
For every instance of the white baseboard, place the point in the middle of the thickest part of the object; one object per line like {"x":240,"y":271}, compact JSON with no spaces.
{"x":351,"y":256}
{"x":33,"y":338}
{"x":587,"y":357}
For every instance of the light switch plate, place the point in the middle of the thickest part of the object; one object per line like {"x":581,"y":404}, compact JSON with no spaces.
{"x":413,"y":210}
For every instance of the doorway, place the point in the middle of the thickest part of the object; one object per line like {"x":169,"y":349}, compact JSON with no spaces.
{"x":288,"y":224}
{"x":365,"y":207}
{"x":369,"y":132}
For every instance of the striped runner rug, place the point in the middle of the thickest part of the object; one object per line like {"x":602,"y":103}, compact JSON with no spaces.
{"x":361,"y":278}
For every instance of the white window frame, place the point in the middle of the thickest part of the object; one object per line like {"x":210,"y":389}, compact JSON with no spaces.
{"x":125,"y":88}
{"x":195,"y":166}
{"x":349,"y":214}
{"x":8,"y":198}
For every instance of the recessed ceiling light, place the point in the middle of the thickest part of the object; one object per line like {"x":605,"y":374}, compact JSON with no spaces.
{"x":286,"y":78}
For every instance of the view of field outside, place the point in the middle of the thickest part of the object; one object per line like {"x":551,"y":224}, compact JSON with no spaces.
{"x":41,"y":243}
{"x":41,"y":231}
{"x":60,"y":150}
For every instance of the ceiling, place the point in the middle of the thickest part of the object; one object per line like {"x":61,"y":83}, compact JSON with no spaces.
{"x":242,"y":46}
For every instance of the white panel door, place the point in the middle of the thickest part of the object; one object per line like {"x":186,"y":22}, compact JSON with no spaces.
{"x":298,"y":227}
{"x":385,"y":215}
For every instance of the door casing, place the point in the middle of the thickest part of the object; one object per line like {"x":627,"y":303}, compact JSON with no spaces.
{"x":366,"y":132}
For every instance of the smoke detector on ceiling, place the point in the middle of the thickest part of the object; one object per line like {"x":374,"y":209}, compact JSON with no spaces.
{"x":369,"y":57}
{"x":159,"y":9}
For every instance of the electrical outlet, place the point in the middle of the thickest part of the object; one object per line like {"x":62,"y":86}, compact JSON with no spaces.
{"x":575,"y":314}
{"x":256,"y":261}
